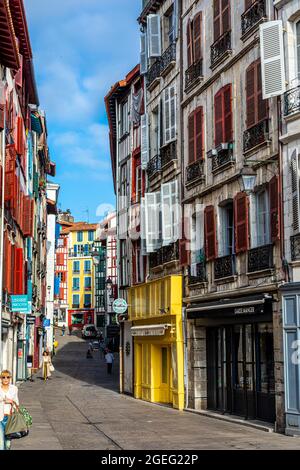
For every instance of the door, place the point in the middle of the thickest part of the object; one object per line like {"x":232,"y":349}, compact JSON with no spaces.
{"x":265,"y":373}
{"x":166,"y":375}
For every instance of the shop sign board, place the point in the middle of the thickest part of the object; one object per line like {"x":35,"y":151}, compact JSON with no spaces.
{"x":120,"y":306}
{"x":20,"y":304}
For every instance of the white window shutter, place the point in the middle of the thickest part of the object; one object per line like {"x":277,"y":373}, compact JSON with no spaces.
{"x":172,"y":112}
{"x":166,"y":209}
{"x":272,"y":59}
{"x":175,"y":208}
{"x":295,"y":189}
{"x":144,"y":56}
{"x":176,"y":18}
{"x":167,"y":117}
{"x":144,"y":141}
{"x":152,"y":225}
{"x":154,"y":36}
{"x":143,"y":226}
{"x":253,"y":220}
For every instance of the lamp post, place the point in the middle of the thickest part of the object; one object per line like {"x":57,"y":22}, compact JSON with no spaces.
{"x":247,"y":179}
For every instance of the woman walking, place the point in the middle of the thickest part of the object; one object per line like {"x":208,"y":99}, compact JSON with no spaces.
{"x":8,"y":398}
{"x":46,"y":365}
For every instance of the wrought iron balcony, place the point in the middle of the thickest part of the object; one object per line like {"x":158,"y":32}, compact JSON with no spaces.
{"x":220,"y":48}
{"x":224,"y":157}
{"x":260,"y":258}
{"x":165,"y":254}
{"x":154,"y":166}
{"x":253,"y":16}
{"x":161,"y":65}
{"x":194,"y":171}
{"x":199,"y":275}
{"x":193,"y":74}
{"x":256,"y":135}
{"x":224,"y":267}
{"x":295,"y":247}
{"x":292,"y":101}
{"x":168,"y":154}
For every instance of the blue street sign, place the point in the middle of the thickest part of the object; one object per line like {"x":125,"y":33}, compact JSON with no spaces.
{"x":46,"y":323}
{"x":20,"y":304}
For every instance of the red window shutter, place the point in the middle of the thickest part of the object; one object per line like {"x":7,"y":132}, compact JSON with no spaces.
{"x":197,"y":33}
{"x":133,"y":188}
{"x":28,"y":217}
{"x":19,"y":74}
{"x":1,"y":182}
{"x":134,"y":260}
{"x":261,"y":104}
{"x":241,"y":216}
{"x":217,"y":19}
{"x":19,"y":275}
{"x":189,"y":44}
{"x":274,"y":194}
{"x":7,"y":262}
{"x":10,"y":190}
{"x":251,"y":95}
{"x":199,"y":133}
{"x":227,"y":110}
{"x":60,"y":259}
{"x":184,"y":252}
{"x":210,"y":233}
{"x":61,"y":293}
{"x":191,"y":138}
{"x":219,"y":118}
{"x":2,"y":116}
{"x":225,"y":4}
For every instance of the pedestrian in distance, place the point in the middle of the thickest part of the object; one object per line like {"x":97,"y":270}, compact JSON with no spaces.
{"x":8,"y":399}
{"x":63,"y":330}
{"x":70,"y":330}
{"x":46,"y":365}
{"x":109,"y":359}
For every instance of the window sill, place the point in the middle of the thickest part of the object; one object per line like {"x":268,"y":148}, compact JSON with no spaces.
{"x":261,"y":273}
{"x":221,"y":168}
{"x":221,"y":59}
{"x":168,"y":68}
{"x":195,"y":182}
{"x":225,"y":280}
{"x":292,"y":116}
{"x":153,"y":84}
{"x":193,"y":85}
{"x":254,"y":149}
{"x":200,"y":284}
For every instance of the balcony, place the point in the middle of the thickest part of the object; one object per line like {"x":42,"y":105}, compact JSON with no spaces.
{"x":168,"y":154}
{"x":75,"y":305}
{"x":252,"y":17}
{"x":295,"y":247}
{"x":83,"y":254}
{"x":194,"y":172}
{"x":256,"y":135}
{"x":162,"y":65}
{"x":260,"y":258}
{"x":224,"y":267}
{"x":197,"y":274}
{"x":292,"y":101}
{"x":148,"y":7}
{"x":166,"y":254}
{"x":193,"y":74}
{"x":220,"y":49}
{"x":222,"y":158}
{"x":154,"y":166}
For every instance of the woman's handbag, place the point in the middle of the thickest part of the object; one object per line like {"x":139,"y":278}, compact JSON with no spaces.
{"x":51,"y":368}
{"x":16,"y":426}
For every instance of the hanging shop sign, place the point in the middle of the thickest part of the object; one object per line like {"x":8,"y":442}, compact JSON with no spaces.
{"x":20,"y":304}
{"x":30,"y":319}
{"x":120,"y":306}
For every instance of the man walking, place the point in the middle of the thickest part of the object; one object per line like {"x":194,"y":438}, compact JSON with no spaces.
{"x":109,"y":359}
{"x":63,"y":330}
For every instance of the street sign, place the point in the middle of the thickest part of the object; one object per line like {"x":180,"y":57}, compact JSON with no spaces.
{"x":20,"y":304}
{"x":46,"y":323}
{"x":30,"y":319}
{"x":120,"y":306}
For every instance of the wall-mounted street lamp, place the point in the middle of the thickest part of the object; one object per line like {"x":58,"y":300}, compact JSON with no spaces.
{"x":247,"y":179}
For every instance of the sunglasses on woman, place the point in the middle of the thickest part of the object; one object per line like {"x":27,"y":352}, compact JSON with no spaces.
{"x":5,"y":377}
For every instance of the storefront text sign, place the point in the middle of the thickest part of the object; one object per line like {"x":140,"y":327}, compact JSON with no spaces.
{"x":244,"y":310}
{"x":20,"y":304}
{"x":120,"y":306}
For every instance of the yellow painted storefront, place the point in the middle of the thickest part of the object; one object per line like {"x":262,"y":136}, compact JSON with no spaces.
{"x":155,"y":308}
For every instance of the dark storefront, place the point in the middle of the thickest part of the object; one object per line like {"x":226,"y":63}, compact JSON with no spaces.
{"x":240,"y":356}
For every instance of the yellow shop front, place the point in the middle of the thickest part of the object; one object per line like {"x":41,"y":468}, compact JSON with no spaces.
{"x":155,"y":309}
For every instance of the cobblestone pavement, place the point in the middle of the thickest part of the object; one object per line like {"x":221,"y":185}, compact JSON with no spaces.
{"x":80,"y":408}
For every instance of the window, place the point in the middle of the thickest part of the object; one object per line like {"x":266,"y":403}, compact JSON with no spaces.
{"x":138,"y":181}
{"x":124,"y":274}
{"x":91,"y":235}
{"x":197,"y":238}
{"x":262,"y":218}
{"x":169,"y":114}
{"x":257,"y":107}
{"x":79,"y":236}
{"x":298,"y":48}
{"x":124,"y":118}
{"x":76,"y":283}
{"x":87,"y":283}
{"x":60,"y":259}
{"x":87,"y":300}
{"x":223,"y":116}
{"x":123,"y":186}
{"x":87,"y":266}
{"x":194,"y":38}
{"x":170,"y":212}
{"x":76,"y":266}
{"x":227,"y":231}
{"x":138,"y":263}
{"x":295,"y":177}
{"x":196,"y":136}
{"x":221,"y":17}
{"x":75,"y":301}
{"x":169,"y":27}
{"x":155,"y":133}
{"x":210,"y":233}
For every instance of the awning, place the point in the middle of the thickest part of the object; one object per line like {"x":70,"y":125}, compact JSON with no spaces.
{"x":150,"y":330}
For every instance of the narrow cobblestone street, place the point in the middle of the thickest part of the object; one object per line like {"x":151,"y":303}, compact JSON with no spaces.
{"x":80,"y":408}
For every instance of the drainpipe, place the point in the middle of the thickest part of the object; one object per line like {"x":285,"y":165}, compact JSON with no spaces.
{"x":2,"y":234}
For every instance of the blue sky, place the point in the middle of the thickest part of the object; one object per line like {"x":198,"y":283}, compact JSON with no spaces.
{"x":81,"y":48}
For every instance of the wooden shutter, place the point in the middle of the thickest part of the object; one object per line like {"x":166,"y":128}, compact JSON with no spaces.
{"x":197,"y":33}
{"x":261,"y":104}
{"x":295,"y":190}
{"x":210,"y":233}
{"x":227,"y":113}
{"x":2,"y":115}
{"x":217,"y":19}
{"x":19,"y":275}
{"x":19,"y":74}
{"x":225,"y":5}
{"x":241,"y":222}
{"x":184,"y":252}
{"x":274,"y":195}
{"x":173,"y":112}
{"x":191,"y":132}
{"x":144,"y":141}
{"x":251,"y":95}
{"x":10,"y":186}
{"x":28,"y":217}
{"x":167,"y":117}
{"x":190,"y":59}
{"x":199,"y":133}
{"x":152,"y":223}
{"x":144,"y":56}
{"x":219,"y":118}
{"x":166,"y":208}
{"x":272,"y":58}
{"x":154,"y":35}
{"x":61,"y":293}
{"x":60,"y":259}
{"x":175,"y":210}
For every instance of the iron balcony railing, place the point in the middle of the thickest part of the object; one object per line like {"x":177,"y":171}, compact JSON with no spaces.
{"x":256,"y":135}
{"x":154,"y":166}
{"x":168,"y":154}
{"x":295,"y":247}
{"x":292,"y":101}
{"x":194,"y":171}
{"x":193,"y":74}
{"x":253,"y":15}
{"x":224,"y":267}
{"x":223,"y":157}
{"x":199,"y":275}
{"x":164,"y":255}
{"x":220,"y":47}
{"x":161,"y":64}
{"x":260,"y":258}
